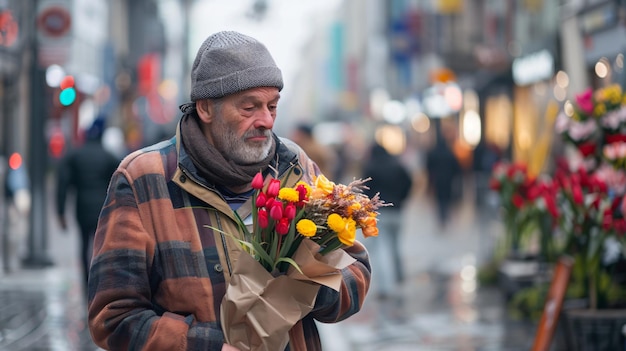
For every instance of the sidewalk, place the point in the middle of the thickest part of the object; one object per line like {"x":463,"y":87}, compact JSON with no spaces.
{"x":44,"y":308}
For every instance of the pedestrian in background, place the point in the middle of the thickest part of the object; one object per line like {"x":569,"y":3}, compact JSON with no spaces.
{"x":84,"y":173}
{"x":391,"y":178}
{"x":444,"y":171}
{"x":161,"y":267}
{"x":325,"y":157}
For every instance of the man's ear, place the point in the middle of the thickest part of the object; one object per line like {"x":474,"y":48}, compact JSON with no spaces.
{"x":205,"y":110}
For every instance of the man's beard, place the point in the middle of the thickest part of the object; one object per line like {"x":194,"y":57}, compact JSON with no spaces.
{"x":237,"y":148}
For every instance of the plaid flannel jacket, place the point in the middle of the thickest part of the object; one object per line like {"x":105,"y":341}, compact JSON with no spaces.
{"x":159,"y":273}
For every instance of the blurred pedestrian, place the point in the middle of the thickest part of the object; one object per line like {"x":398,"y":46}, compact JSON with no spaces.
{"x":85,"y":173}
{"x":164,"y":248}
{"x":391,"y":178}
{"x":444,"y":170}
{"x":325,"y":157}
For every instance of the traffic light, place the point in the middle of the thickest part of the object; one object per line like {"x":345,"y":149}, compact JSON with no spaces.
{"x":67,"y":96}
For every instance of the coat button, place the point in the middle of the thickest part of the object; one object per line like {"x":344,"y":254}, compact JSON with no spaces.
{"x":296,"y":171}
{"x":182,"y":179}
{"x":218,"y":268}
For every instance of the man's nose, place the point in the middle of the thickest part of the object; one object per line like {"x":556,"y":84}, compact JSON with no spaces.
{"x":265,"y":119}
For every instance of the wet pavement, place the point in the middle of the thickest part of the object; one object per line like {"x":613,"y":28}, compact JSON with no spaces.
{"x":440,"y":306}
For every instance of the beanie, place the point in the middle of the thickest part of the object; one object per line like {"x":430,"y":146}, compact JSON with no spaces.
{"x":229,"y":62}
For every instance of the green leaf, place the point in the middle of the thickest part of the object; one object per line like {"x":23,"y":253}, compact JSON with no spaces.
{"x":291,"y":262}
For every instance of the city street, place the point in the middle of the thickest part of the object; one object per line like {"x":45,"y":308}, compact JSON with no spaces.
{"x":439,"y":307}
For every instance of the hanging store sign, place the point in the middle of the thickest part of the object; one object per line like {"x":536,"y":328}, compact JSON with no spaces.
{"x":533,"y":68}
{"x":599,"y":17}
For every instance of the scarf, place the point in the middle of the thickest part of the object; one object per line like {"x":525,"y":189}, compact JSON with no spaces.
{"x":211,"y":164}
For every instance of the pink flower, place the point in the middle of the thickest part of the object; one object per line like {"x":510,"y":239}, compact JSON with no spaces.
{"x":257,"y":181}
{"x":585,"y":101}
{"x":273,"y":188}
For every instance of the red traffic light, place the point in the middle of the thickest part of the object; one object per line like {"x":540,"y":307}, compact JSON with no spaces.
{"x":15,"y":161}
{"x":67,"y":82}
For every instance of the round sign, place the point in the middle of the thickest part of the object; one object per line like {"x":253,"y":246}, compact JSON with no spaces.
{"x":54,"y":21}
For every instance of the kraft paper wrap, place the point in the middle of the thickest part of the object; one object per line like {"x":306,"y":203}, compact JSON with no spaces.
{"x":258,"y":310}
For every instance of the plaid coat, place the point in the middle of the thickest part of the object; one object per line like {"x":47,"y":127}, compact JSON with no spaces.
{"x":159,"y":273}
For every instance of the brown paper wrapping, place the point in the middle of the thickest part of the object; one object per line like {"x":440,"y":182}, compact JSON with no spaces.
{"x":258,"y":310}
{"x":323,"y":270}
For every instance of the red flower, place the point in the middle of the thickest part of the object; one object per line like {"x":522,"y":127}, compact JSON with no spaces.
{"x":301,"y":189}
{"x":273,"y":188}
{"x":587,"y":148}
{"x":290,"y":211}
{"x":261,"y":199}
{"x":518,"y":200}
{"x":614,"y":138}
{"x":276,"y":212}
{"x":282,"y":227}
{"x":257,"y":181}
{"x":551,"y":205}
{"x":577,"y":194}
{"x":263,"y":219}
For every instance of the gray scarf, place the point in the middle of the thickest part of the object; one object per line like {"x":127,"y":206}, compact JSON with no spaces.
{"x":211,"y":164}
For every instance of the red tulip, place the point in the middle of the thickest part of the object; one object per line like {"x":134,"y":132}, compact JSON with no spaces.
{"x":273,"y":188}
{"x":290,"y":211}
{"x":261,"y":200}
{"x":276,"y":212}
{"x":551,"y":205}
{"x":518,"y":200}
{"x":282,"y":227}
{"x":262,"y":218}
{"x":577,"y":194}
{"x":257,"y":181}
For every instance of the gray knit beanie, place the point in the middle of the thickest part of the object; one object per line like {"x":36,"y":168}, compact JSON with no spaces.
{"x":229,"y":62}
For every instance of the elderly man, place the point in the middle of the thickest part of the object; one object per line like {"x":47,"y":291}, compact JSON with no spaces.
{"x":161,"y":267}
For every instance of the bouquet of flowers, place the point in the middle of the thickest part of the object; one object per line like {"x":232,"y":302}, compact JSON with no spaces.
{"x":289,"y":251}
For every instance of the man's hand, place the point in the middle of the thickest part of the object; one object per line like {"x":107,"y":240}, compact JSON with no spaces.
{"x":229,"y":348}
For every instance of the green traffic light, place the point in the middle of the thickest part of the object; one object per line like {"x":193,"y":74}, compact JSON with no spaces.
{"x":67,"y":96}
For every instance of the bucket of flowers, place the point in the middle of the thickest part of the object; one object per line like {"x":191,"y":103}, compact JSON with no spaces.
{"x":291,"y":248}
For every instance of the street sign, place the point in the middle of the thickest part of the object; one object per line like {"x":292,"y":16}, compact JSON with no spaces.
{"x":54,"y":21}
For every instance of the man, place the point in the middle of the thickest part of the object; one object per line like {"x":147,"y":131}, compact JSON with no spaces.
{"x":159,"y":270}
